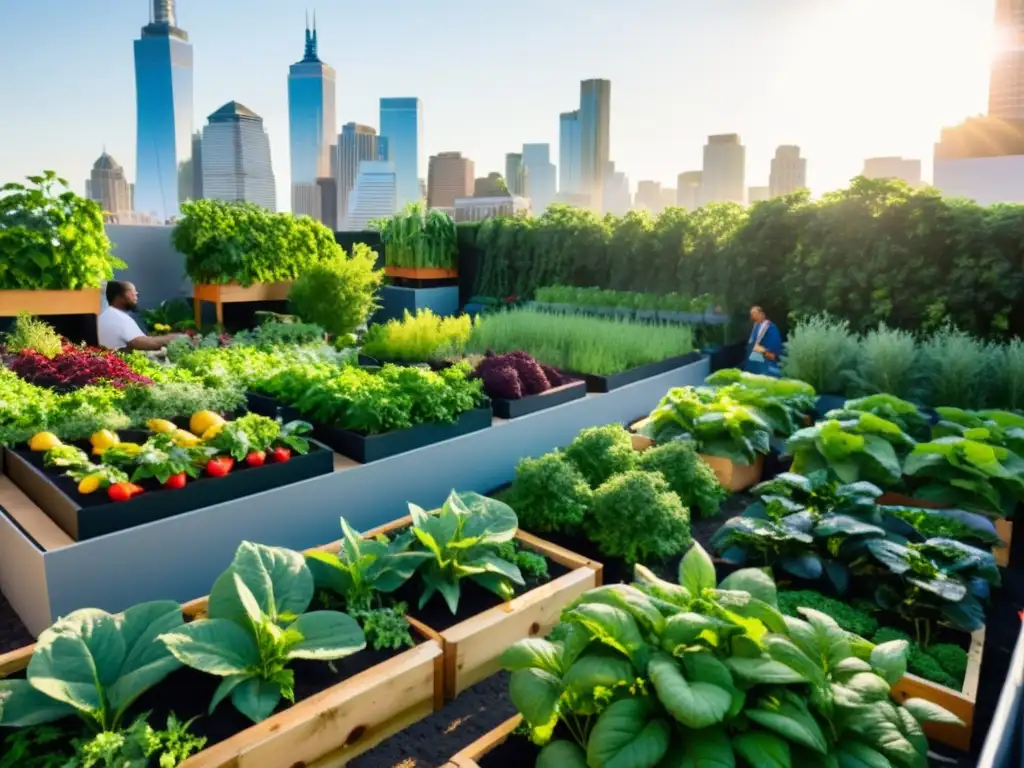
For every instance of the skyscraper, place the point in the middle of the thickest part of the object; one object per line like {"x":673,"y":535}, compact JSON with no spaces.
{"x":355,"y":144}
{"x":900,"y":168}
{"x":449,"y":175}
{"x":617,"y":199}
{"x":569,"y":152}
{"x":401,"y":123}
{"x":108,"y":186}
{"x":311,"y":123}
{"x":1006,"y":88}
{"x":758,"y":194}
{"x":542,"y":176}
{"x":236,"y":157}
{"x":515,"y":175}
{"x":374,"y":195}
{"x":163,"y":98}
{"x":789,"y":171}
{"x":688,"y":184}
{"x":649,"y":197}
{"x":723,"y":179}
{"x":595,"y":137}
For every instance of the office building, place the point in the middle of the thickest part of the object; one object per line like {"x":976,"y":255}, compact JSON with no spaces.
{"x":789,"y":171}
{"x":109,"y":187}
{"x":981,"y":159}
{"x":374,"y":195}
{"x":356,"y":143}
{"x":688,"y":190}
{"x":491,"y":185}
{"x":900,"y":168}
{"x":758,"y":194}
{"x":668,"y":197}
{"x":236,"y":158}
{"x":163,"y":96}
{"x":515,"y":175}
{"x":1006,"y":87}
{"x":724,"y":175}
{"x":617,"y":198}
{"x":595,"y":137}
{"x":648,"y":197}
{"x":542,"y":176}
{"x":311,"y":127}
{"x":401,"y":123}
{"x":449,"y":175}
{"x":329,"y":200}
{"x":482,"y":208}
{"x":569,"y":152}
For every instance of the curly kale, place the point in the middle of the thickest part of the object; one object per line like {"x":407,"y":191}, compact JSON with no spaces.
{"x":549,"y":494}
{"x":602,"y":452}
{"x":846,"y":616}
{"x":687,"y":474}
{"x":637,"y":517}
{"x":386,"y":627}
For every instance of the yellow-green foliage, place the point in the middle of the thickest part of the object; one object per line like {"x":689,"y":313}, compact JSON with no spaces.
{"x":419,"y":337}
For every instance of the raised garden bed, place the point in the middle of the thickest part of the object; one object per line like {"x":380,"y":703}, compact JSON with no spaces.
{"x":496,"y":749}
{"x":512,"y":409}
{"x":379,"y":694}
{"x":472,"y":645}
{"x":233,"y":293}
{"x":605,"y":384}
{"x":42,"y":303}
{"x":85,"y":517}
{"x":421,"y":273}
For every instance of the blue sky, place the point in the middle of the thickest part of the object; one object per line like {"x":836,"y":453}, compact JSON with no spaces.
{"x":844,"y":79}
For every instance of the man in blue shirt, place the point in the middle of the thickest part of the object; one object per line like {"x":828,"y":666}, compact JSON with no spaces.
{"x":764,"y":347}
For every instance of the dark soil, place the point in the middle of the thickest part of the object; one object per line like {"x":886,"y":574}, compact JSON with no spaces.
{"x":13,"y":634}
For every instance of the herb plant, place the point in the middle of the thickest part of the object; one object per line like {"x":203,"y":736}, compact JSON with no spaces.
{"x":602,"y":452}
{"x":550,"y":494}
{"x":687,"y":475}
{"x":886,"y":364}
{"x":415,"y":237}
{"x":821,"y":351}
{"x":339,"y":294}
{"x":29,"y":334}
{"x":954,"y":368}
{"x":637,"y":517}
{"x":417,"y":338}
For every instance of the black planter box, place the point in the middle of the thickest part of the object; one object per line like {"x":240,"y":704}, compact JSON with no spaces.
{"x":367,"y":448}
{"x":511,"y":409}
{"x":605,"y":384}
{"x":826,"y":403}
{"x":262,"y":405}
{"x":58,"y":496}
{"x":729,"y":356}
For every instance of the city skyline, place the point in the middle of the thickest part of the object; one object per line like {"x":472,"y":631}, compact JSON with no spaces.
{"x":935,"y":74}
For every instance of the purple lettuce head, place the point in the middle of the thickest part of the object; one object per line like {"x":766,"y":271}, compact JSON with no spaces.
{"x":555,"y":378}
{"x":500,"y":379}
{"x":530,"y":373}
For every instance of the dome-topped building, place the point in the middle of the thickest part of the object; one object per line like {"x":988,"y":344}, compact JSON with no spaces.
{"x":109,"y":186}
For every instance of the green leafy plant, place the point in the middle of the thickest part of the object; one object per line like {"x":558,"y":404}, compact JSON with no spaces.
{"x":161,"y":458}
{"x":637,"y":517}
{"x":417,"y":338}
{"x":94,"y":665}
{"x":783,"y":403}
{"x":52,"y":239}
{"x":1000,"y":428}
{"x":257,"y":625}
{"x":903,"y":414}
{"x":687,"y":475}
{"x":886,"y":364}
{"x":172,"y":314}
{"x":550,"y":494}
{"x":866,"y":447}
{"x":848,"y":617}
{"x":339,"y":294}
{"x":463,"y":538}
{"x":415,"y":237}
{"x":602,"y":452}
{"x":138,"y":746}
{"x":820,"y":351}
{"x":955,"y":368}
{"x":275,"y":333}
{"x":959,"y":524}
{"x":178,"y":399}
{"x":716,"y":423}
{"x":32,"y":334}
{"x":1006,"y":387}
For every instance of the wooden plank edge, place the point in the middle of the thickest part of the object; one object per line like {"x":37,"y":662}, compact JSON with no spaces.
{"x":560,"y":555}
{"x":487,"y":743}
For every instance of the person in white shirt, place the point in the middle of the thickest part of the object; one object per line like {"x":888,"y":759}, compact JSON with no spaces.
{"x":118,"y":330}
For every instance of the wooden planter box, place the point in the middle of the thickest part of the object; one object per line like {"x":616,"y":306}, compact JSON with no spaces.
{"x":329,"y":728}
{"x":1004,"y":527}
{"x":472,"y":647}
{"x":233,"y":293}
{"x":81,"y":302}
{"x":469,"y":757}
{"x":960,"y":703}
{"x":421,"y":273}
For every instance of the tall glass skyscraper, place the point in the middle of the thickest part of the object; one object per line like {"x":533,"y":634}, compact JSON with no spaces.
{"x":165,"y":175}
{"x":312,"y":125}
{"x":595,"y":124}
{"x":401,"y":126}
{"x":569,"y":152}
{"x":236,"y":158}
{"x":356,"y":143}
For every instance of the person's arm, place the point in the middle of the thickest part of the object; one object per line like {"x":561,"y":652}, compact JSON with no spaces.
{"x":151,"y":343}
{"x":771,"y":344}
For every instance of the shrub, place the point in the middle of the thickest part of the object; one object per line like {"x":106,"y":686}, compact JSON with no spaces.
{"x":886,"y":363}
{"x":600,"y":452}
{"x":340,"y":294}
{"x":637,"y":517}
{"x":955,"y":368}
{"x":846,"y":616}
{"x":820,"y":350}
{"x":549,"y":494}
{"x":687,"y":474}
{"x":30,"y":334}
{"x":1007,"y":382}
{"x":417,"y":338}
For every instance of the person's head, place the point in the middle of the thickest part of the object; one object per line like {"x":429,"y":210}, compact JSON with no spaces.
{"x":757,"y":314}
{"x":122,"y":295}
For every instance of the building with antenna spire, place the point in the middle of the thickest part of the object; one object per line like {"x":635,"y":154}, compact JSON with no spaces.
{"x":165,"y":175}
{"x":312,"y":126}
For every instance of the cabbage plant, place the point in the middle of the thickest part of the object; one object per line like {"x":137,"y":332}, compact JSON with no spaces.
{"x":257,"y":625}
{"x":864,"y":447}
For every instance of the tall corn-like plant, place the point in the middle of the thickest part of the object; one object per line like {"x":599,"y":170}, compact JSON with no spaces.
{"x":821,"y":350}
{"x":955,"y":368}
{"x":886,"y":363}
{"x":415,"y":238}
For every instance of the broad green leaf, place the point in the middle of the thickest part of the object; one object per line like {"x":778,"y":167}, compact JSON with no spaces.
{"x":833,"y":642}
{"x":854,"y":754}
{"x":695,"y":705}
{"x":697,"y":571}
{"x":21,"y":705}
{"x":488,"y":519}
{"x":561,"y":754}
{"x":925,"y":711}
{"x":278,"y":578}
{"x":626,"y":736}
{"x":706,"y":748}
{"x":764,"y":671}
{"x":77,"y":658}
{"x":890,"y":660}
{"x":755,"y":581}
{"x":326,"y":635}
{"x":329,"y":572}
{"x":629,"y":599}
{"x":851,"y":666}
{"x":705,"y":667}
{"x":491,"y":563}
{"x":533,"y":653}
{"x":794,"y":723}
{"x":215,"y":646}
{"x":763,"y":750}
{"x":868,"y":686}
{"x":227,"y":685}
{"x":685,"y":628}
{"x":611,"y":626}
{"x":256,"y":698}
{"x":783,"y":650}
{"x":535,"y":693}
{"x":594,"y":671}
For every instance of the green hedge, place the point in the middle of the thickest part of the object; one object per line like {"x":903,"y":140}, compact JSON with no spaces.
{"x":876,"y":251}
